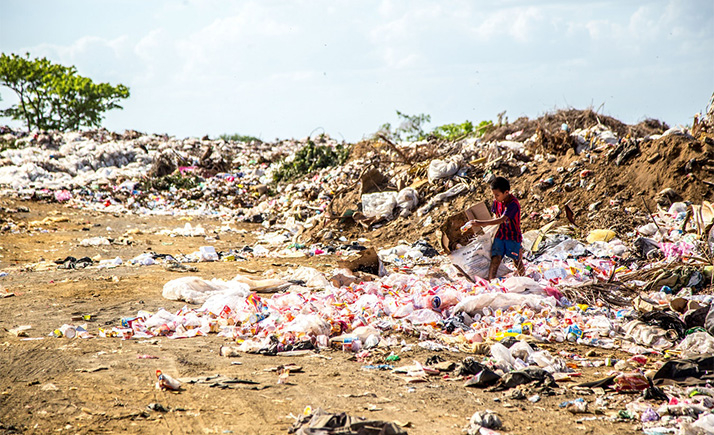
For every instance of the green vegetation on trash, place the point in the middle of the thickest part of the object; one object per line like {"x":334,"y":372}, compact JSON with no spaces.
{"x":55,"y":97}
{"x":310,"y":158}
{"x":175,"y":180}
{"x":459,"y":131}
{"x":411,"y":128}
{"x":235,"y":137}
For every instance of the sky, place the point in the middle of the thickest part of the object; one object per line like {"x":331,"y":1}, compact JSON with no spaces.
{"x":289,"y":69}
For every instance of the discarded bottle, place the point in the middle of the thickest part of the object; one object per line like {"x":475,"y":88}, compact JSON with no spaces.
{"x":166,"y":382}
{"x":444,"y":300}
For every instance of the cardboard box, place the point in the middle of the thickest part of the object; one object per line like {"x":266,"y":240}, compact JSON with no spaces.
{"x":451,"y":234}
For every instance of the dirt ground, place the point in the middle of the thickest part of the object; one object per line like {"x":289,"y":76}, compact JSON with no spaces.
{"x":58,"y":385}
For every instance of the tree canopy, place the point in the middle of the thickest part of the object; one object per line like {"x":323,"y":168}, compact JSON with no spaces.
{"x":55,"y":97}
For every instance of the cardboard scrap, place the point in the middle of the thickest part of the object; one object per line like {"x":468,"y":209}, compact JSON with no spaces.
{"x":451,"y":235}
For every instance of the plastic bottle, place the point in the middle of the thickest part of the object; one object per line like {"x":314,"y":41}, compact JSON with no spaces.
{"x":444,"y":300}
{"x":166,"y":382}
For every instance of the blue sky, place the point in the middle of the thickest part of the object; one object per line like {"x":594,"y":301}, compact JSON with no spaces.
{"x":286,"y":68}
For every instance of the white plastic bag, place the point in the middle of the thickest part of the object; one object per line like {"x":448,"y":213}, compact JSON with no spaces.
{"x":475,"y":258}
{"x":698,"y":343}
{"x":437,"y":199}
{"x":195,"y":290}
{"x":473,"y":304}
{"x":407,"y":199}
{"x":502,"y":356}
{"x":311,"y":277}
{"x":379,"y":205}
{"x":424,"y":316}
{"x":523,"y":284}
{"x":309,"y":324}
{"x":442,"y":169}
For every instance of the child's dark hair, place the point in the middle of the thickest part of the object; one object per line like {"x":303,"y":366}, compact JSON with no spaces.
{"x":501,"y":184}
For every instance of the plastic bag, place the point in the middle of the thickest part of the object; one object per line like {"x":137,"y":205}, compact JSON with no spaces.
{"x":565,"y":249}
{"x":437,"y":199}
{"x":310,"y":324}
{"x":600,"y":236}
{"x":521,"y":350}
{"x":523,"y":284}
{"x":502,"y":356}
{"x":195,"y":290}
{"x":442,"y":169}
{"x":646,"y":335}
{"x":474,"y":304}
{"x":310,"y":276}
{"x":696,"y":344}
{"x":379,"y":205}
{"x":215,"y":304}
{"x":424,"y":317}
{"x":407,"y":199}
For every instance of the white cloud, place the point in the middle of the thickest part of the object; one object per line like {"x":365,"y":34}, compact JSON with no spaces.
{"x":516,"y":23}
{"x":283,"y":68}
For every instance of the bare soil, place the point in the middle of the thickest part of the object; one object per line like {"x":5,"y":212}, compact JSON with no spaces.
{"x":58,"y":385}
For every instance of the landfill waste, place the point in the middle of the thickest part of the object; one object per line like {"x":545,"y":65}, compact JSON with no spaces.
{"x":320,"y":422}
{"x":166,"y":382}
{"x":480,"y":419}
{"x":610,"y":266}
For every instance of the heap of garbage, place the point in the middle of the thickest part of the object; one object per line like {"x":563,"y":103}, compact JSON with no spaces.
{"x":617,"y":232}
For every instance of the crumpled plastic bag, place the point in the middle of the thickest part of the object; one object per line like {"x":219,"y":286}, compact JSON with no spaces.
{"x":379,"y":205}
{"x":473,"y":304}
{"x":443,"y":168}
{"x":600,"y":236}
{"x":309,"y":324}
{"x":407,"y":199}
{"x":524,"y":285}
{"x":311,"y":277}
{"x":195,"y":290}
{"x":696,"y":344}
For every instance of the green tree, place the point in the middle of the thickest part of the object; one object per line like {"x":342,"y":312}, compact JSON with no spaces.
{"x":55,"y":97}
{"x":310,"y":158}
{"x":411,"y":127}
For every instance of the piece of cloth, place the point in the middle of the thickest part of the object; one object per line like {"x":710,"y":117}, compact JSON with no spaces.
{"x":323,"y":423}
{"x":508,"y":248}
{"x":694,"y":371}
{"x":541,"y":377}
{"x":510,"y":229}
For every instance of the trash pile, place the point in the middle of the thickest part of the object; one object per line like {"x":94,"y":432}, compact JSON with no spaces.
{"x":618,"y":240}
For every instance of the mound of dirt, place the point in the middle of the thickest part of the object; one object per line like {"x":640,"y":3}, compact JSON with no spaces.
{"x":552,"y":123}
{"x":605,"y":187}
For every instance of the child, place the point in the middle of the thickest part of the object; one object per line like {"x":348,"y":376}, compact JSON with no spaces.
{"x":509,"y":237}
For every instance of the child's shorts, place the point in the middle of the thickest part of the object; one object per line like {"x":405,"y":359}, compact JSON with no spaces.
{"x":505,"y":248}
